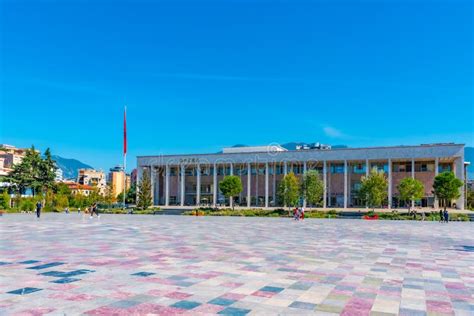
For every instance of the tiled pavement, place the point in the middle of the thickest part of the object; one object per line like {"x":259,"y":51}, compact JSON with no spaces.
{"x":169,"y":265}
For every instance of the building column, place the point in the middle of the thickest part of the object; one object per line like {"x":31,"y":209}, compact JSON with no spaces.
{"x":158,"y":182}
{"x":329,"y":184}
{"x":345,"y":183}
{"x":198,"y":185}
{"x":304,"y":174}
{"x":274,"y":185}
{"x":413,"y":177}
{"x":214,"y":187}
{"x":367,"y":167}
{"x":167,"y":185}
{"x":285,"y":168}
{"x":231,"y":200}
{"x":325,"y":180}
{"x":266,"y":184}
{"x":182,"y":171}
{"x":436,"y":202}
{"x":152,"y":184}
{"x":459,"y":172}
{"x":249,"y":175}
{"x":389,"y":183}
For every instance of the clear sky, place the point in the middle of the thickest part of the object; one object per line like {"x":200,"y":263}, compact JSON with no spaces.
{"x":200,"y":75}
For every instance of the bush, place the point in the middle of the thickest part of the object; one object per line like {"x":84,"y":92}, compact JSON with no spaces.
{"x":27,"y":205}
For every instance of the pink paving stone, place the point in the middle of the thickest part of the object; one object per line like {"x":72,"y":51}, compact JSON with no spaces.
{"x":63,"y":287}
{"x":263,"y":294}
{"x":35,"y":312}
{"x":177,"y":295}
{"x":355,"y":312}
{"x":208,"y":308}
{"x":231,"y":285}
{"x":452,"y":285}
{"x":233,"y":296}
{"x":120,"y":295}
{"x":158,"y":292}
{"x":107,"y":310}
{"x":152,"y":309}
{"x":440,"y":307}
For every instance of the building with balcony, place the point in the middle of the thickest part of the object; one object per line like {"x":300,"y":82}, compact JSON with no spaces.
{"x":189,"y":180}
{"x":93,"y":178}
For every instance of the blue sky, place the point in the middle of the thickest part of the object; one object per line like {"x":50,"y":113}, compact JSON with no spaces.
{"x":200,"y":75}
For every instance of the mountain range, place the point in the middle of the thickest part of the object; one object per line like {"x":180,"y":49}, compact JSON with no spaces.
{"x":70,"y":166}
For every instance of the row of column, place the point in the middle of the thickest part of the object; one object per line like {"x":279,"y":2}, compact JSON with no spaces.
{"x":285,"y":171}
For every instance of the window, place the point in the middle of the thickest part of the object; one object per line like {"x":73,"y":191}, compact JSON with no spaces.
{"x":358,"y":168}
{"x":173,"y":171}
{"x":443,"y":167}
{"x":337,"y":168}
{"x":380,"y":166}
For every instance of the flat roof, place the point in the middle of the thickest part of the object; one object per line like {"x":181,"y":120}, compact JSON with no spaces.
{"x":313,"y":150}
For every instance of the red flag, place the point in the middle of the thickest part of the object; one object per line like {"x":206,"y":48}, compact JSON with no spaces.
{"x":125,"y":131}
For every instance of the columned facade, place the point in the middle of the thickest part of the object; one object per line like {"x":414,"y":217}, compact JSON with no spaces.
{"x":193,"y":180}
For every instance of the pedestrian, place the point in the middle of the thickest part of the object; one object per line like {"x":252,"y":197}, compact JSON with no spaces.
{"x":94,"y":210}
{"x":441,"y":216}
{"x":423,"y":215}
{"x":302,"y":213}
{"x":79,"y":210}
{"x":295,"y":214}
{"x":67,"y":210}
{"x":446,"y":216}
{"x":38,"y":209}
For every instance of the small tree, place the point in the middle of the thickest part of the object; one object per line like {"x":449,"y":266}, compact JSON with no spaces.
{"x":446,"y":187}
{"x":5,"y":200}
{"x":312,"y":188}
{"x":373,"y":189}
{"x":230,"y":186}
{"x":144,"y":193}
{"x":288,"y":190}
{"x":109,"y":197}
{"x":61,"y":201}
{"x":410,"y":190}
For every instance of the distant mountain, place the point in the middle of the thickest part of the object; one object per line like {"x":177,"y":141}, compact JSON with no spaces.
{"x":70,"y":166}
{"x":469,"y":156}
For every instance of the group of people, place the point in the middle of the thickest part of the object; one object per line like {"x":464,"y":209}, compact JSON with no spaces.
{"x":92,"y":210}
{"x":443,"y":216}
{"x":298,"y":213}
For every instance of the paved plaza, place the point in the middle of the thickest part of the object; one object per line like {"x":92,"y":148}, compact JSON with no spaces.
{"x":173,"y":265}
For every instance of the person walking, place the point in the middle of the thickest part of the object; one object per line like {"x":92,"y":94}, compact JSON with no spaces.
{"x":446,"y":216}
{"x":38,"y":209}
{"x":302,"y":213}
{"x":441,"y":216}
{"x":79,"y":210}
{"x":94,"y":210}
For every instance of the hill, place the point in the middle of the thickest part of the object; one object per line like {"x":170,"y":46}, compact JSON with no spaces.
{"x":70,"y":166}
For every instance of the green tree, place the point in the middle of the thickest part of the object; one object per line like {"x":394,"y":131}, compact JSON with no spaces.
{"x":61,"y":201}
{"x":312,"y":188}
{"x":230,"y":186}
{"x":446,"y":187}
{"x":288,"y":190}
{"x":78,"y":200}
{"x":109,"y":197}
{"x":131,"y":196}
{"x":47,"y":171}
{"x":470,"y":199}
{"x":410,"y":190}
{"x":144,"y":192}
{"x":5,"y":200}
{"x":373,"y":189}
{"x":33,"y":172}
